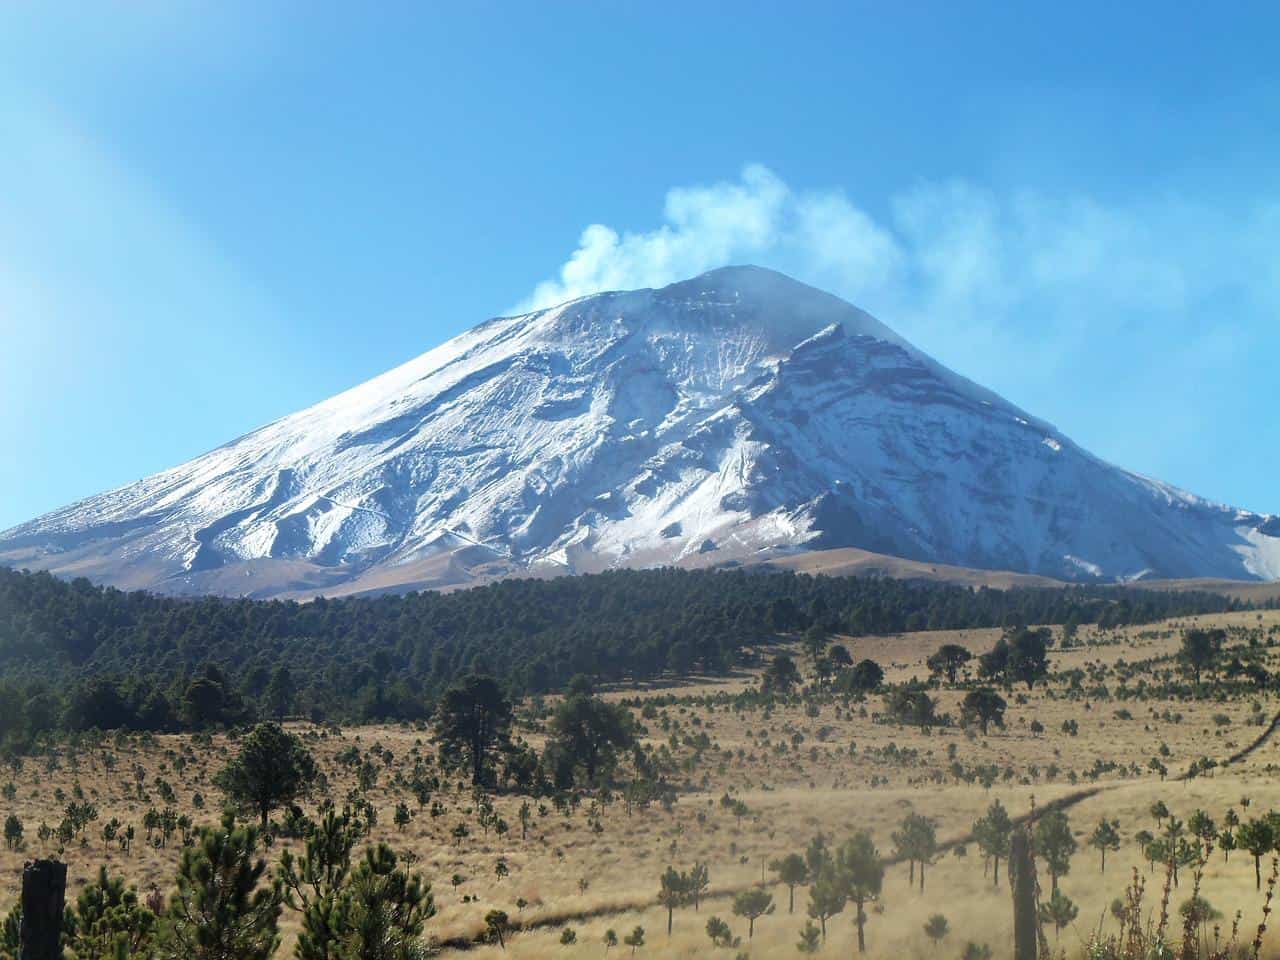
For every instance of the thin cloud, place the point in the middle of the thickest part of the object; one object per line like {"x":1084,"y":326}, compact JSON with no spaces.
{"x":956,"y":262}
{"x":1066,"y":304}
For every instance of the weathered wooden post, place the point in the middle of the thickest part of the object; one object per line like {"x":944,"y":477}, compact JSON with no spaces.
{"x":44,"y":892}
{"x":1022,"y":873}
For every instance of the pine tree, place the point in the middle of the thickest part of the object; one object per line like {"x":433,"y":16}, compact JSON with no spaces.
{"x":1059,"y":910}
{"x":698,"y":880}
{"x":827,"y":896}
{"x":272,"y":769}
{"x":751,"y":904}
{"x":861,"y":871}
{"x":672,"y":891}
{"x":109,"y":919}
{"x":1105,"y":836}
{"x":809,"y":938}
{"x":719,"y":933}
{"x":634,"y":939}
{"x":792,"y":871}
{"x":222,"y":911}
{"x":381,"y":912}
{"x":312,"y":883}
{"x":473,"y":719}
{"x":496,"y":923}
{"x":1054,"y":842}
{"x":992,"y":833}
{"x":936,"y":928}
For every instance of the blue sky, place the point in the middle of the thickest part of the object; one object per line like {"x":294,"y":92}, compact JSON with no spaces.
{"x":215,"y":214}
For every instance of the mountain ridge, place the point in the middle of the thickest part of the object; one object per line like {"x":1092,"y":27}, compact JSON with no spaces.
{"x":739,"y":413}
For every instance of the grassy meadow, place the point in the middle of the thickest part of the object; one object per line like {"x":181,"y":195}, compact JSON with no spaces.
{"x":799,"y":766}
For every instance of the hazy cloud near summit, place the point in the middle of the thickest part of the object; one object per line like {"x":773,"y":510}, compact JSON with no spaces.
{"x":1158,"y":303}
{"x":757,"y":219}
{"x":970,"y":274}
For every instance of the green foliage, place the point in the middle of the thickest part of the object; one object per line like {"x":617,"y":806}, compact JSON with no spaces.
{"x":752,"y":904}
{"x":11,"y":933}
{"x":1196,"y":911}
{"x":992,"y":832}
{"x":473,"y":720}
{"x":810,"y":941}
{"x":864,"y":677}
{"x":587,"y":734}
{"x":634,"y":939}
{"x":1258,"y":836}
{"x":1202,"y":826}
{"x":697,"y":881}
{"x":313,"y":882}
{"x":496,"y":924}
{"x":911,"y":706}
{"x":985,"y":706}
{"x":221,"y":908}
{"x":936,"y":928}
{"x":107,"y":920}
{"x":782,"y":676}
{"x":402,"y":815}
{"x":815,"y":641}
{"x":1105,"y":836}
{"x":1020,"y":656}
{"x":1054,"y":842}
{"x":719,"y":933}
{"x":948,"y":661}
{"x":673,"y":891}
{"x":70,"y":652}
{"x":382,"y":910}
{"x":792,"y":870}
{"x":273,"y":768}
{"x":828,"y":895}
{"x":1200,"y":650}
{"x":861,"y":871}
{"x":13,"y":832}
{"x":1059,"y":910}
{"x":916,"y":841}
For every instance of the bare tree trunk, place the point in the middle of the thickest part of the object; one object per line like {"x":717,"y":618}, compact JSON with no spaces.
{"x":1022,"y":875}
{"x":44,"y":891}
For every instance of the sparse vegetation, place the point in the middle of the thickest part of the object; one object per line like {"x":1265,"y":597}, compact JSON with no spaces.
{"x":725,"y":780}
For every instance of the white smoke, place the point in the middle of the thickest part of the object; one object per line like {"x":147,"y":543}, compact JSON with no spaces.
{"x":1060,"y":302}
{"x":959,"y":268}
{"x":757,"y":219}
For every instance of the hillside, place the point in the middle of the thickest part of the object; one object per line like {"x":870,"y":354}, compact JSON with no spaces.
{"x":728,"y":418}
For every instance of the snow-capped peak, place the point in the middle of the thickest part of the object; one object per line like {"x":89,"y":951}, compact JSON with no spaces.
{"x":711,"y":419}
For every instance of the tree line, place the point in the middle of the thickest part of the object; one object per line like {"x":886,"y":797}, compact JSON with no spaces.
{"x":76,"y":656}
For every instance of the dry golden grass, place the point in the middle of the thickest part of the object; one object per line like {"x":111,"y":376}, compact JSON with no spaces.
{"x":841,"y":777}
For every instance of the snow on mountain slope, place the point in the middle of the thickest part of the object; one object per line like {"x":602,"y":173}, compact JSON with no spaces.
{"x":732,"y":415}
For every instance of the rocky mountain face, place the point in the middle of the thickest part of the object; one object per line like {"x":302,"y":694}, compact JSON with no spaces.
{"x":727,"y":418}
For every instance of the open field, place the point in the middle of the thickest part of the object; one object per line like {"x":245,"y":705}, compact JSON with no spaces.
{"x":802,"y":766}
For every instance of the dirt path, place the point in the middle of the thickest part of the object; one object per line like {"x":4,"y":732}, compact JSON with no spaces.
{"x":1258,"y":742}
{"x":580,"y":916}
{"x":1061,"y":803}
